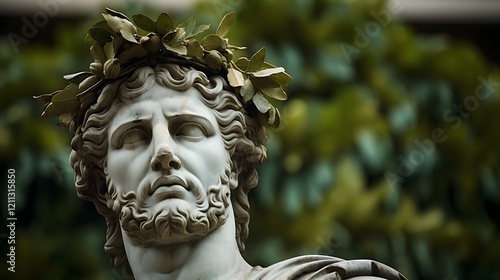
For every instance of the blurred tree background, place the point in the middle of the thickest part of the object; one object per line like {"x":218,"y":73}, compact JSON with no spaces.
{"x":389,"y":147}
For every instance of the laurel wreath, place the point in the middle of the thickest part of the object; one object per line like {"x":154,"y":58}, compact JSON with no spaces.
{"x":118,"y":50}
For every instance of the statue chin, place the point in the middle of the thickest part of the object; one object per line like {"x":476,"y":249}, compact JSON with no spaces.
{"x":170,"y":225}
{"x":173,"y":220}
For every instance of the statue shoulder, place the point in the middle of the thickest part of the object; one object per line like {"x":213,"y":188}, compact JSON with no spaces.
{"x":316,"y":267}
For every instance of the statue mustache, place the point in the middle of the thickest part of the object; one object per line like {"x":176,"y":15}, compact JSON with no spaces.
{"x":190,"y":183}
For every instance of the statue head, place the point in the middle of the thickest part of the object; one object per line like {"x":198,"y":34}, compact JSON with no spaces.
{"x":117,"y":142}
{"x":166,"y":131}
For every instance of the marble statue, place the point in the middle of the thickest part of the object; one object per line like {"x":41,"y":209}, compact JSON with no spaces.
{"x":165,"y":145}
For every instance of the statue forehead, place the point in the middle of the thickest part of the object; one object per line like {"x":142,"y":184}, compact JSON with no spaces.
{"x":158,"y":98}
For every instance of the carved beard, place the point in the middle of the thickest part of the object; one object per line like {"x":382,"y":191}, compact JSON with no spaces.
{"x":177,"y":223}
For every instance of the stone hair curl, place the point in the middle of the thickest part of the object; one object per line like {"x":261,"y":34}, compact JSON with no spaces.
{"x":243,"y":137}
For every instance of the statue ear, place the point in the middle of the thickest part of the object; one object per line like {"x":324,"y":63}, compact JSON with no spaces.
{"x":233,"y":180}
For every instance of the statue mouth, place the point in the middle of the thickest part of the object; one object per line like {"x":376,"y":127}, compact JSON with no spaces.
{"x":169,"y":184}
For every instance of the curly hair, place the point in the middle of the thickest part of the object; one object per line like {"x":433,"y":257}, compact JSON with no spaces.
{"x":243,"y":136}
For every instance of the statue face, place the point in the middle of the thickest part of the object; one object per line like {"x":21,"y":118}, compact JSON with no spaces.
{"x":166,"y":148}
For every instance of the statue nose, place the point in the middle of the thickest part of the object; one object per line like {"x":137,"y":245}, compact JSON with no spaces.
{"x":164,"y":158}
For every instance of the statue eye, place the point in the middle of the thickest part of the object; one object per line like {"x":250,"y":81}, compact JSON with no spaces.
{"x":191,"y":130}
{"x":134,"y":137}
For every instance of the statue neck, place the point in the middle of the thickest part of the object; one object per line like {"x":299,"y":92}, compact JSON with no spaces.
{"x":215,"y":256}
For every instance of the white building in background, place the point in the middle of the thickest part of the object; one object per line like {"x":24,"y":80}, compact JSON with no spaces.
{"x":413,"y":10}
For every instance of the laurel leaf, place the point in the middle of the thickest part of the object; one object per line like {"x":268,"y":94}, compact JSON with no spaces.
{"x":144,"y":22}
{"x":235,"y":77}
{"x":256,"y":60}
{"x":225,"y":23}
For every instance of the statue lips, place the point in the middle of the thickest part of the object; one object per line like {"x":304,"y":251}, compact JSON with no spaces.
{"x":171,"y":186}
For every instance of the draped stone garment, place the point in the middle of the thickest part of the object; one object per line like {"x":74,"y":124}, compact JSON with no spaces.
{"x":316,"y":267}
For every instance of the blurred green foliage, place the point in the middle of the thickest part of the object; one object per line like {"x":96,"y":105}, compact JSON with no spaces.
{"x":387,"y":150}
